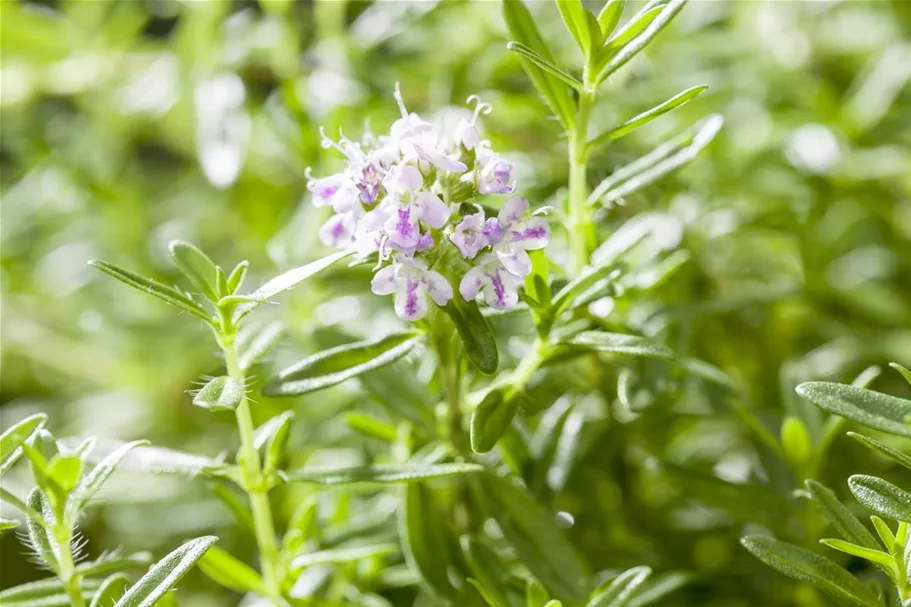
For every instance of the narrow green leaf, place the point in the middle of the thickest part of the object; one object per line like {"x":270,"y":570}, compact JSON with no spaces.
{"x":795,"y":440}
{"x":275,"y":444}
{"x":371,"y":426}
{"x":487,"y":569}
{"x":65,"y":471}
{"x":621,"y":56}
{"x":343,"y":555}
{"x":544,"y":64}
{"x":620,"y":343}
{"x":379,"y":473}
{"x":155,"y":289}
{"x":621,"y":589}
{"x":478,"y":339}
{"x":38,"y":538}
{"x":113,"y":563}
{"x":34,"y":515}
{"x":609,"y":17}
{"x":537,"y":284}
{"x":231,"y":573}
{"x":221,"y":284}
{"x":44,"y":593}
{"x":535,"y":594}
{"x":221,"y":394}
{"x":894,"y":454}
{"x":801,"y":564}
{"x":95,"y":479}
{"x":904,"y":372}
{"x":874,"y":556}
{"x":522,"y":28}
{"x":658,"y":588}
{"x":196,"y":266}
{"x":290,"y":279}
{"x":111,"y":589}
{"x":633,"y":28}
{"x":7,"y":524}
{"x":425,"y":538}
{"x":885,"y":534}
{"x":838,"y":514}
{"x":165,"y":574}
{"x":664,"y":159}
{"x":866,"y":407}
{"x":10,"y":451}
{"x":256,"y":341}
{"x":236,"y":279}
{"x":882,"y":497}
{"x":156,"y":460}
{"x":335,"y":365}
{"x":537,"y":540}
{"x":645,"y":117}
{"x":573,"y":14}
{"x":232,"y":501}
{"x":490,"y":420}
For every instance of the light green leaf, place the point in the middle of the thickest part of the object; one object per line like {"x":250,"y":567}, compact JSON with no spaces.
{"x":44,"y":593}
{"x":379,"y":473}
{"x":238,"y":509}
{"x":544,"y":64}
{"x":866,"y":407}
{"x":335,"y":365}
{"x":20,"y":431}
{"x":659,"y":587}
{"x":230,"y":572}
{"x":236,"y":279}
{"x":664,"y":159}
{"x":645,"y":117}
{"x":795,"y":440}
{"x":841,"y":518}
{"x":894,"y":454}
{"x":537,"y":540}
{"x":609,"y":16}
{"x":885,"y":534}
{"x":113,"y":563}
{"x":254,"y":342}
{"x":621,"y":54}
{"x":573,"y":14}
{"x":567,"y":297}
{"x":111,"y":589}
{"x":491,"y":577}
{"x":621,"y":589}
{"x":633,"y":28}
{"x":95,"y":479}
{"x":522,"y":28}
{"x":38,"y":538}
{"x":275,"y":444}
{"x":7,"y":524}
{"x":874,"y":556}
{"x":490,"y":420}
{"x":289,"y":280}
{"x":426,"y":539}
{"x":343,"y":555}
{"x":904,"y":372}
{"x":620,"y":343}
{"x":196,"y":266}
{"x":882,"y":497}
{"x":156,"y":460}
{"x":801,"y":564}
{"x":478,"y":339}
{"x":221,"y":394}
{"x":371,"y":426}
{"x":155,"y":289}
{"x":535,"y":594}
{"x":165,"y":574}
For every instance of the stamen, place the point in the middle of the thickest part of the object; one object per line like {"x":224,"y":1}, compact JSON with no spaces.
{"x":327,"y":143}
{"x":480,"y":108}
{"x":400,"y":101}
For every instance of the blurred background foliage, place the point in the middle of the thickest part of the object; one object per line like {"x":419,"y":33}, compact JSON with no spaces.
{"x":126,"y":124}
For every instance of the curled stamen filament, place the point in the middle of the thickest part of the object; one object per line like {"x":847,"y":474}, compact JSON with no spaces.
{"x":481,"y":107}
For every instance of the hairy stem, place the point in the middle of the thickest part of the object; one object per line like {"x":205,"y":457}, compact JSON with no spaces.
{"x":256,"y":486}
{"x":581,"y":227}
{"x":72,"y":582}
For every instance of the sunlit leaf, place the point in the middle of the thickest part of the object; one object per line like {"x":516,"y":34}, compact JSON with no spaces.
{"x":620,"y":343}
{"x":544,"y":64}
{"x":882,"y":497}
{"x":95,"y":479}
{"x":866,"y":407}
{"x":230,"y":572}
{"x":847,"y":525}
{"x":165,"y":574}
{"x":343,"y":555}
{"x":20,"y":431}
{"x":221,"y":394}
{"x":196,"y":266}
{"x":894,"y":454}
{"x":621,"y":589}
{"x":379,"y":473}
{"x":111,"y":589}
{"x":609,"y":16}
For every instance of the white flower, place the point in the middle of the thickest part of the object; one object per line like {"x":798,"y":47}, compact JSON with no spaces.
{"x":520,"y":234}
{"x":412,"y":282}
{"x":490,"y":279}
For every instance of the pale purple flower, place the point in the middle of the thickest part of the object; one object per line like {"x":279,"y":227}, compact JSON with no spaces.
{"x":339,"y":231}
{"x":399,"y":221}
{"x":492,"y":281}
{"x":469,"y":236}
{"x":466,"y":132}
{"x":412,"y":282}
{"x":495,"y":176}
{"x":338,"y":191}
{"x":520,"y":234}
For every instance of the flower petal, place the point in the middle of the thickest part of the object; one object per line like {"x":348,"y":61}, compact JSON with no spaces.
{"x":530,"y":234}
{"x":512,"y":210}
{"x":516,"y":261}
{"x":501,"y":290}
{"x":384,"y":282}
{"x":437,"y":287}
{"x":337,"y":232}
{"x":471,"y":283}
{"x":434,"y":211}
{"x":411,"y":300}
{"x":402,"y":227}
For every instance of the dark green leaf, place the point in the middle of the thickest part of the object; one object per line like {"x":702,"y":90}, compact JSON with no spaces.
{"x":522,"y":28}
{"x":94,"y":480}
{"x":165,"y":574}
{"x":221,"y":394}
{"x":866,"y":407}
{"x":230,"y":572}
{"x":20,"y":431}
{"x":645,"y":117}
{"x":882,"y":497}
{"x":544,"y":64}
{"x":339,"y":364}
{"x":491,"y":576}
{"x":379,"y":473}
{"x":478,"y":339}
{"x":111,"y":589}
{"x":538,"y":542}
{"x":619,"y":343}
{"x":155,"y":289}
{"x":894,"y":454}
{"x":196,"y":266}
{"x":621,"y":589}
{"x":841,"y":518}
{"x":425,"y":538}
{"x":490,"y":420}
{"x":801,"y":564}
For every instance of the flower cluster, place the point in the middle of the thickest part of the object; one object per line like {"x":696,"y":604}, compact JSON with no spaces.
{"x":401,"y":196}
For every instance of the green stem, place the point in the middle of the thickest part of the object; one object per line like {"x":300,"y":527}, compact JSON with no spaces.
{"x":522,"y":374}
{"x":450,"y":378}
{"x":582,"y":229}
{"x":72,"y":582}
{"x":256,"y":485}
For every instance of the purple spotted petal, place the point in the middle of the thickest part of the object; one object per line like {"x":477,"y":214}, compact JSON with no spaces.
{"x":512,"y":210}
{"x":383,"y":282}
{"x":500,"y":291}
{"x":516,"y":261}
{"x":402,"y":227}
{"x":437,"y":287}
{"x":471,"y":283}
{"x":530,"y":234}
{"x":493,"y":230}
{"x":410,"y":300}
{"x":424,"y":242}
{"x":338,"y":231}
